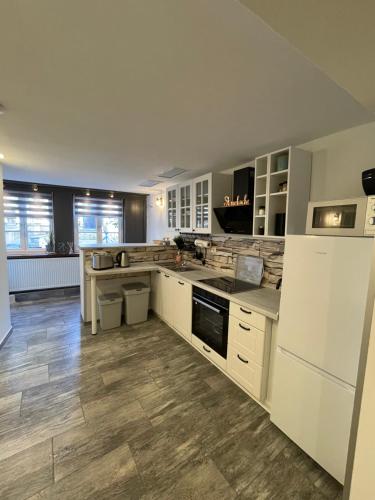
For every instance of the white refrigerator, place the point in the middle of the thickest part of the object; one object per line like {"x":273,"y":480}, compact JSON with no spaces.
{"x":322,"y":311}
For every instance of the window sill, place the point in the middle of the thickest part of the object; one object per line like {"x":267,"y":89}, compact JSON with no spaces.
{"x":40,"y":255}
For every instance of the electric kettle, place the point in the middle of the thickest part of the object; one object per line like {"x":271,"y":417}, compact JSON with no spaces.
{"x":122,"y":259}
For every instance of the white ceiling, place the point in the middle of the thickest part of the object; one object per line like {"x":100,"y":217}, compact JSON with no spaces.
{"x":108,"y":94}
{"x":336,"y":35}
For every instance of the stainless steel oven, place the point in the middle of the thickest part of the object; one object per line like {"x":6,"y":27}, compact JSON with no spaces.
{"x":210,"y":319}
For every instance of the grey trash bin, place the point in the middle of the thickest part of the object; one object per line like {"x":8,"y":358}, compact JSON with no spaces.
{"x":110,"y":306}
{"x":136,"y":297}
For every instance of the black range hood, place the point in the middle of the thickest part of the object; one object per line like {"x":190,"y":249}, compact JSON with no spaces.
{"x":239,"y":219}
{"x":235,"y":219}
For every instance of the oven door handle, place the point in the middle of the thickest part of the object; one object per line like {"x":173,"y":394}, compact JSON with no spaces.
{"x":206,"y":305}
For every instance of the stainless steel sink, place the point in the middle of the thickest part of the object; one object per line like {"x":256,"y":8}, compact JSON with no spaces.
{"x":179,"y":268}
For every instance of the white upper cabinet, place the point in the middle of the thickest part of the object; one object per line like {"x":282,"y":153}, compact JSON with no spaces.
{"x":185,"y":223}
{"x":190,"y":205}
{"x":202,"y":187}
{"x":172,"y":207}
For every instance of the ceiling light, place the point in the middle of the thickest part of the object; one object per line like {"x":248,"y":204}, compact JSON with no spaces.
{"x":87,"y":193}
{"x":35,"y":187}
{"x":2,"y":156}
{"x":149,"y":183}
{"x":173,"y":172}
{"x":2,"y":109}
{"x":111,"y":194}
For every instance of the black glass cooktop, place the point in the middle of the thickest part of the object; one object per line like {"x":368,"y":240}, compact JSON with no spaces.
{"x":229,"y":285}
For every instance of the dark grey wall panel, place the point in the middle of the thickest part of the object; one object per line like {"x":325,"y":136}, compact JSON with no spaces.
{"x":134,"y":205}
{"x":135,"y":218}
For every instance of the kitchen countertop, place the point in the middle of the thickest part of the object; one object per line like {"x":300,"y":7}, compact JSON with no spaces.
{"x":263,"y":300}
{"x":97,"y":246}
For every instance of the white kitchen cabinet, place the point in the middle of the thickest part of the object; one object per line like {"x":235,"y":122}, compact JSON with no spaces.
{"x":167,"y":302}
{"x":244,"y":371}
{"x":156,"y":294}
{"x":182,"y":307}
{"x":249,"y":343}
{"x":190,"y":205}
{"x":171,"y":300}
{"x":172,"y":207}
{"x":185,"y":217}
{"x":208,"y":192}
{"x":271,"y":200}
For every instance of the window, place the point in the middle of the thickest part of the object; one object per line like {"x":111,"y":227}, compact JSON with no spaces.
{"x":97,"y":221}
{"x":28,"y":220}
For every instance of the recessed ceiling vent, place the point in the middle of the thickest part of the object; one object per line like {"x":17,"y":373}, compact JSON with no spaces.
{"x":149,"y":183}
{"x":173,"y":172}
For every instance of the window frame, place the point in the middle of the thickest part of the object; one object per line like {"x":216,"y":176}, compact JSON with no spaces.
{"x":23,"y":232}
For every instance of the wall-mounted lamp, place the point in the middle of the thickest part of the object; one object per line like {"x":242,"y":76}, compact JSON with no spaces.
{"x":87,"y":193}
{"x":159,"y":201}
{"x":111,"y":194}
{"x":2,"y":156}
{"x":35,"y":187}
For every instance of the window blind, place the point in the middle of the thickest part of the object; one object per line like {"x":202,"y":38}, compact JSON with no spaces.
{"x":96,"y":206}
{"x":24,"y":204}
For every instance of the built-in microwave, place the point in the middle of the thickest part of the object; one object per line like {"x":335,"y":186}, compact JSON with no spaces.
{"x":351,"y":217}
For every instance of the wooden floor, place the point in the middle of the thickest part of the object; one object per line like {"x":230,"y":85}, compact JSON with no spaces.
{"x":134,"y":413}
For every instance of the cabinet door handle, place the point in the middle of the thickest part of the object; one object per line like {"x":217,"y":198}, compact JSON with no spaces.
{"x":241,"y":359}
{"x":205,"y":348}
{"x":181,"y":283}
{"x":243,"y":327}
{"x":244,"y":310}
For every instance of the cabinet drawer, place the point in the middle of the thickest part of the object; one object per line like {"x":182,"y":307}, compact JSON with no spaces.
{"x":248,"y":337}
{"x":209,"y":352}
{"x":248,"y":316}
{"x":244,"y":371}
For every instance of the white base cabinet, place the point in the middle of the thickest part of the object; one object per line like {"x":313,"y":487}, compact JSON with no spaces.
{"x":171,"y":300}
{"x":249,"y":333}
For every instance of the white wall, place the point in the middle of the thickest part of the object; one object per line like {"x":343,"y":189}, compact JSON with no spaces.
{"x":4,"y":288}
{"x":156,"y":218}
{"x":338,"y":161}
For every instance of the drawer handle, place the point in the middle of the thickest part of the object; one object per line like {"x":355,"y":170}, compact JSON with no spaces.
{"x":158,"y":272}
{"x":181,"y":283}
{"x":166,"y":275}
{"x":241,"y":359}
{"x":205,"y":348}
{"x":243,"y":327}
{"x":244,"y":310}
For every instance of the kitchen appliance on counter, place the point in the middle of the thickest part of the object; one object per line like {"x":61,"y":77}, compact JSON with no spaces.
{"x":122,"y":259}
{"x":101,"y":261}
{"x":322,"y":315}
{"x":350,"y":217}
{"x":210,"y":320}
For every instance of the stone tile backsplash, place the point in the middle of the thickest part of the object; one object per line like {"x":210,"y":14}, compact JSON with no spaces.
{"x":222,"y":255}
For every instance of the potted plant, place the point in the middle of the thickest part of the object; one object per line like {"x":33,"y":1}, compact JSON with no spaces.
{"x":50,"y":245}
{"x":179,"y":241}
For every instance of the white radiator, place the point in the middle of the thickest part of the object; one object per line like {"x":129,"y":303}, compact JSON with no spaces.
{"x":36,"y":274}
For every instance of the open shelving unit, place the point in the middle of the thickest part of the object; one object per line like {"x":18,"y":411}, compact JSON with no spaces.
{"x":268,"y":192}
